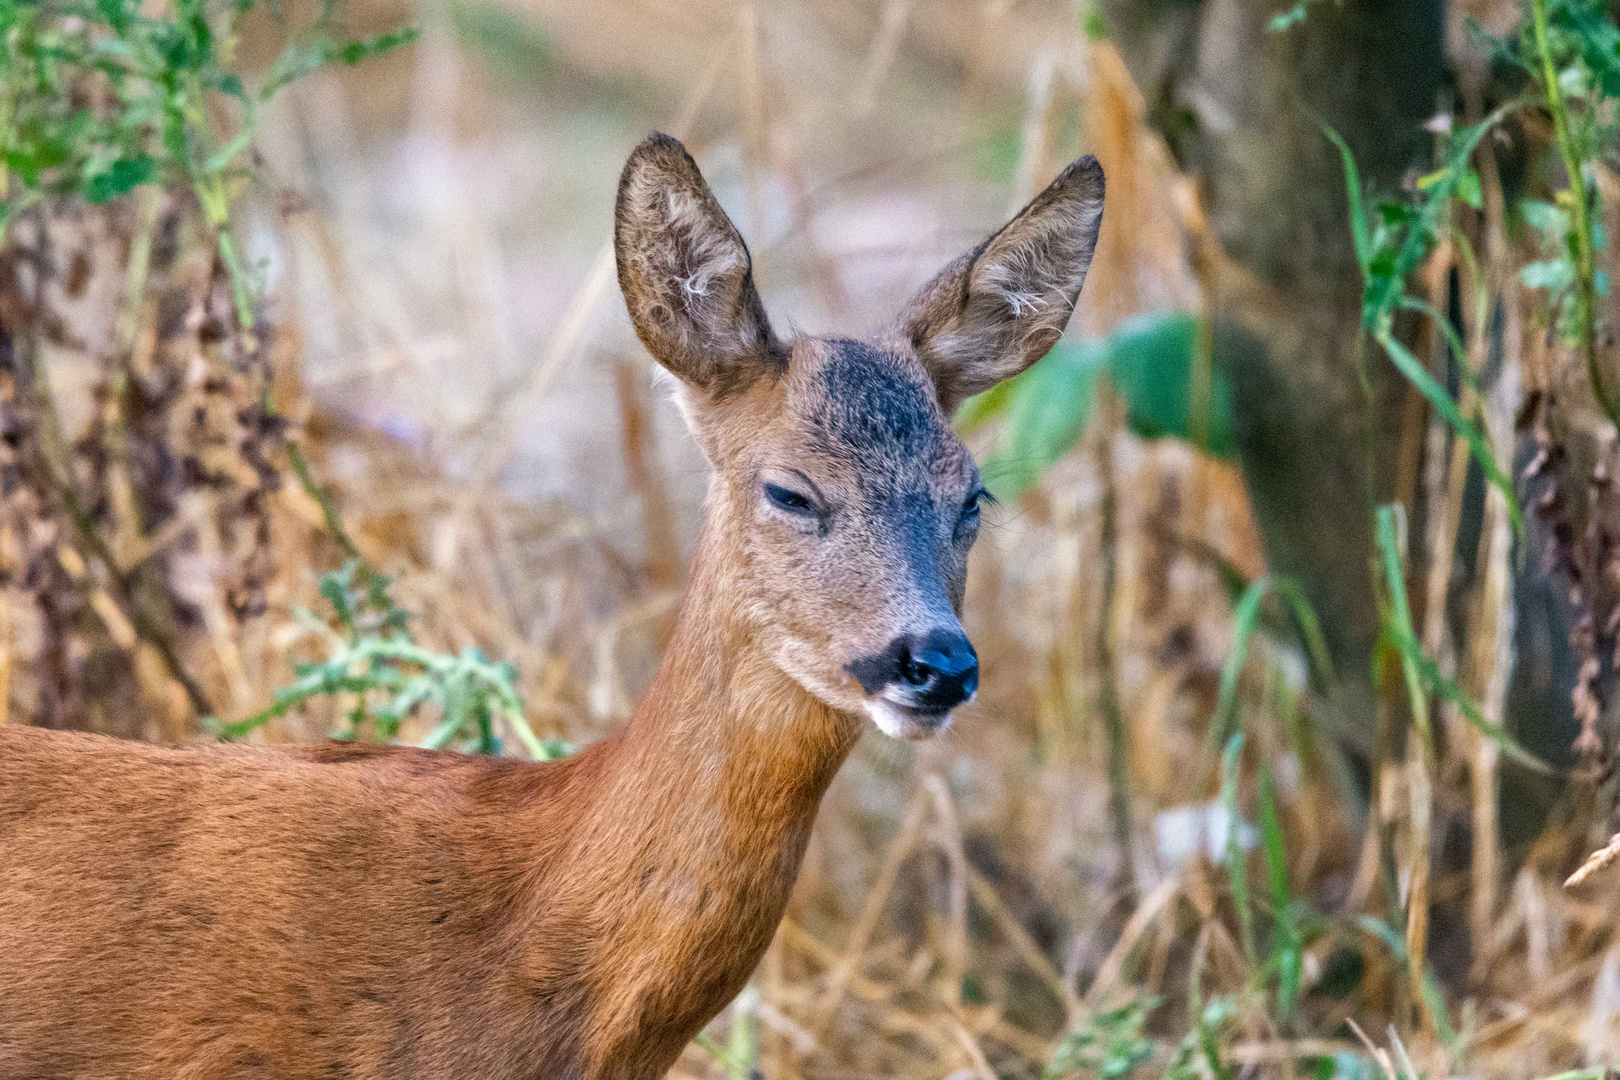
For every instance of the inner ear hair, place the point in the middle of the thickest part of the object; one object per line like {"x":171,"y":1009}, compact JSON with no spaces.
{"x":686,"y":275}
{"x":999,"y":308}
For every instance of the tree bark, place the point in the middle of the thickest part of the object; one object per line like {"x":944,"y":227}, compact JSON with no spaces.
{"x":1242,"y":107}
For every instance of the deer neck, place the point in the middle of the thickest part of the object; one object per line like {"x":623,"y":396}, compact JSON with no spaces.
{"x":690,"y":840}
{"x":727,"y":756}
{"x":721,"y":704}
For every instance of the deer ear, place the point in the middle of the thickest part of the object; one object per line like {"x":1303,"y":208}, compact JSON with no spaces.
{"x":1001,"y":307}
{"x":686,"y":274}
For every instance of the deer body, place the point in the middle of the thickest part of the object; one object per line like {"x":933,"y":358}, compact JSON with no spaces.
{"x":349,"y":912}
{"x":357,"y":911}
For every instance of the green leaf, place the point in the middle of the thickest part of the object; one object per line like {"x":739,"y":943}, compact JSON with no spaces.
{"x":1422,"y":673}
{"x":1046,"y":409}
{"x":1468,"y":189}
{"x":1352,"y":185}
{"x":1554,"y":275}
{"x":224,"y":155}
{"x":1288,"y":956}
{"x":1245,"y":617}
{"x":1288,"y":18}
{"x":1428,"y":180}
{"x":116,"y":13}
{"x":353,"y":52}
{"x":1433,"y":997}
{"x":1275,"y":851}
{"x":514,"y":44}
{"x":121,"y":177}
{"x":1149,"y":360}
{"x":1150,"y":364}
{"x":1108,"y":1044}
{"x":980,"y":409}
{"x":1420,"y":377}
{"x":1310,"y":627}
{"x":1236,"y":866}
{"x":1243,"y":623}
{"x":1547,"y":219}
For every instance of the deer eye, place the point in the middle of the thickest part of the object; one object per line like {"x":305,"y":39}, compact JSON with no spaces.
{"x":971,"y":508}
{"x":789,"y":500}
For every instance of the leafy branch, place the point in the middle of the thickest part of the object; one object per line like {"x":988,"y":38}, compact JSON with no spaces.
{"x":1578,"y":60}
{"x":371,"y":656}
{"x":1391,"y":246}
{"x":158,"y":79}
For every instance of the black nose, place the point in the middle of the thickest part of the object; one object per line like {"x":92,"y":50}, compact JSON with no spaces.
{"x":940,"y":672}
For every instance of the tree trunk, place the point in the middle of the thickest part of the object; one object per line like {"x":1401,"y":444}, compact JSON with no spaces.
{"x":1242,"y":107}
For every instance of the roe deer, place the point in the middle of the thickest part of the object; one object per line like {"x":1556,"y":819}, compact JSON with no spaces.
{"x":351,"y":912}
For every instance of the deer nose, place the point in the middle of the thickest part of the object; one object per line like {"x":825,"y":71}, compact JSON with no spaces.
{"x":939,"y":672}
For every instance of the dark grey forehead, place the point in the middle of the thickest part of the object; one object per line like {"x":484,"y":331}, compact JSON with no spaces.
{"x":879,"y":409}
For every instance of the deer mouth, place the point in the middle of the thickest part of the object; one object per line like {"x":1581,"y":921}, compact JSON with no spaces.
{"x":901,"y":720}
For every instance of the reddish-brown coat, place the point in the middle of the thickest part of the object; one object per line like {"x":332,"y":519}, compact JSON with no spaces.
{"x":347,"y":911}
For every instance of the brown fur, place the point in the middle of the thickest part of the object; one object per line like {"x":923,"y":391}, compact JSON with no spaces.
{"x":361,"y":912}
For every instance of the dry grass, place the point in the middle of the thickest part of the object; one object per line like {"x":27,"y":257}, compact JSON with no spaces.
{"x":471,"y":390}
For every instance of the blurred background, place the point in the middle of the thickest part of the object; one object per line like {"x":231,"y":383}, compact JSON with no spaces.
{"x":1297,"y":663}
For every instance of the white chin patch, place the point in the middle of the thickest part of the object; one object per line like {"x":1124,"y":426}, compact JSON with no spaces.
{"x":899,"y":722}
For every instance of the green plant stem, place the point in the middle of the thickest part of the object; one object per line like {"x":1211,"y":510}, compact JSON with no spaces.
{"x":210,"y":189}
{"x":1236,"y":865}
{"x":334,"y":523}
{"x":1420,"y":763}
{"x":1585,"y":268}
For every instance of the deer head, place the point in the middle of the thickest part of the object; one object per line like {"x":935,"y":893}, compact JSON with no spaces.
{"x":842,"y":504}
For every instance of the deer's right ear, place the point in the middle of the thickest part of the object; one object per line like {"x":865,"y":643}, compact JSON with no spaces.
{"x":686,"y":274}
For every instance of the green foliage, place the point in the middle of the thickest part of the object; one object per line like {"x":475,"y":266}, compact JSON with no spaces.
{"x":98,"y":97}
{"x":1109,"y":1045}
{"x":1423,"y":675}
{"x":1046,"y":411}
{"x":739,"y":1054}
{"x":1203,"y":1041}
{"x":1395,"y":243}
{"x":1571,"y":49}
{"x":515,"y":45}
{"x":1150,"y":361}
{"x":1275,"y":952}
{"x":1434,"y":999}
{"x":1290,"y":17}
{"x":1582,"y":45}
{"x":1237,"y":869}
{"x":1557,"y":274}
{"x":1288,"y":950}
{"x":1245,"y":617}
{"x":372,"y":660}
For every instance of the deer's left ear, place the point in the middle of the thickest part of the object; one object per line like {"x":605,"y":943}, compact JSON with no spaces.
{"x":1001,"y":307}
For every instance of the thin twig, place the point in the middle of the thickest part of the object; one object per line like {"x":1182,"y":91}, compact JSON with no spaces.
{"x":905,"y":839}
{"x":1596,"y":861}
{"x":1119,"y":777}
{"x":956,"y":945}
{"x":1022,"y":943}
